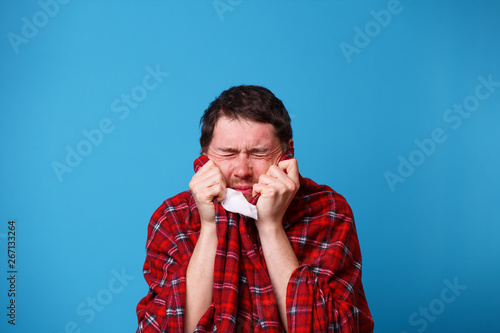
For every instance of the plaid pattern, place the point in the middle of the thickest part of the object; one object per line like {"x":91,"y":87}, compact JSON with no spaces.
{"x":324,"y":294}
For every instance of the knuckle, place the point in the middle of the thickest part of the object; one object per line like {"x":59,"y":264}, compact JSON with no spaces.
{"x":192,"y":186}
{"x":273,"y":191}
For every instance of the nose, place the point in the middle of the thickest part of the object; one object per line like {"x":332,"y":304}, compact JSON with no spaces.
{"x":242,"y":167}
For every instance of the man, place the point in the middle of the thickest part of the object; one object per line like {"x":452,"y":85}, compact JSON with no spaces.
{"x":296,"y":268}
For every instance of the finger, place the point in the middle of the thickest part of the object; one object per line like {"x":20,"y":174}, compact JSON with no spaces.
{"x":203,"y":180}
{"x":206,"y":194}
{"x":268,"y":185}
{"x":215,"y":181}
{"x":210,"y":173}
{"x":291,"y":168}
{"x":221,"y":193}
{"x":276,"y":173}
{"x":206,"y":167}
{"x":209,"y":183}
{"x":268,"y":179}
{"x":289,"y":165}
{"x":257,"y":189}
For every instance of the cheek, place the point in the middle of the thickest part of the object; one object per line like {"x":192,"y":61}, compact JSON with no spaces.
{"x":260,"y":167}
{"x":226,"y":169}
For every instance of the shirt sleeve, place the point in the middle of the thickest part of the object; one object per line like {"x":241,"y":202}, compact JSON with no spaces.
{"x":325,"y":293}
{"x":167,"y":256}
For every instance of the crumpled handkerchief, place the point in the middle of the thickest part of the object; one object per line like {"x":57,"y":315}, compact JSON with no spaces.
{"x":235,"y":202}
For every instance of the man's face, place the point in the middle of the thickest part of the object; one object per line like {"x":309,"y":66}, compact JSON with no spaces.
{"x":243,"y":150}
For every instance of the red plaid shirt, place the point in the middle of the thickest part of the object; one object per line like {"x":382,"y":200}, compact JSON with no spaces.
{"x":324,"y":294}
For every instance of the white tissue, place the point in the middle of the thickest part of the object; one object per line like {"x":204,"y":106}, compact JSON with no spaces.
{"x":235,"y":202}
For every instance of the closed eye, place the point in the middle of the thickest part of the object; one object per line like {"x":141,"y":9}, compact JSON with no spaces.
{"x":259,"y":152}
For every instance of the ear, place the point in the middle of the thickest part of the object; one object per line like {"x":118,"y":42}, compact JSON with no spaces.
{"x":290,"y":144}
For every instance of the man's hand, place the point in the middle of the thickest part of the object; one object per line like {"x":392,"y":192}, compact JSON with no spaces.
{"x":277,"y":189}
{"x":208,"y":183}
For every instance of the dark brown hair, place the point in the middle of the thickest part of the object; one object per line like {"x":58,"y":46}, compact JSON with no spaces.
{"x":254,"y":103}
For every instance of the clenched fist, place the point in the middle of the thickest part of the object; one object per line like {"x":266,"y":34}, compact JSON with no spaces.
{"x":206,"y":185}
{"x":277,"y":189}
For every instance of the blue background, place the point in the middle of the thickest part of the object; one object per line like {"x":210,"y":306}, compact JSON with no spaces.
{"x":356,"y":115}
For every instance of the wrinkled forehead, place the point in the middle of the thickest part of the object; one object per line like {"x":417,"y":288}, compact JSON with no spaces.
{"x":243,"y":133}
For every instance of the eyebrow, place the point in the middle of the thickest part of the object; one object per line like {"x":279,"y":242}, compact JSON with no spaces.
{"x":251,"y":150}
